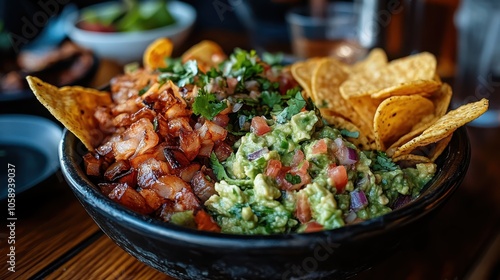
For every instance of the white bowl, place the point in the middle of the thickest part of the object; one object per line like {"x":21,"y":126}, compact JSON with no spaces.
{"x":125,"y":47}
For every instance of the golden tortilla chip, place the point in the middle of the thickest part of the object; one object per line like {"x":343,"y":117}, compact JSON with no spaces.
{"x":327,"y":77}
{"x":302,"y":72}
{"x":441,"y":99}
{"x":375,"y":60}
{"x":422,"y":87}
{"x":407,"y":75}
{"x":415,"y":131}
{"x":439,"y":148}
{"x":411,"y":160}
{"x":396,"y":117}
{"x":445,"y":126}
{"x":74,"y":107}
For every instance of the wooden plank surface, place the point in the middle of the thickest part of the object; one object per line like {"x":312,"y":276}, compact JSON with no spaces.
{"x":50,"y":222}
{"x":105,"y":260}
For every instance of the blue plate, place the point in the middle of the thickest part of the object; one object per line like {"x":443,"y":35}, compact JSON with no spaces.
{"x":28,"y":151}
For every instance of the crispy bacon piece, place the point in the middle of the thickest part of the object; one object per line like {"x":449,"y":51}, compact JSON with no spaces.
{"x":92,"y":164}
{"x":222,"y":150}
{"x":149,"y":171}
{"x":130,"y":198}
{"x":138,"y":138}
{"x":203,"y":184}
{"x":175,"y":158}
{"x":188,"y":172}
{"x":189,"y":143}
{"x":116,"y":169}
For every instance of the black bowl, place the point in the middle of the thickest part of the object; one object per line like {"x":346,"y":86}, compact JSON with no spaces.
{"x":189,"y":254}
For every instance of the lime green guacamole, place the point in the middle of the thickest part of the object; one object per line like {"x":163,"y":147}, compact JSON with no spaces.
{"x":303,"y":173}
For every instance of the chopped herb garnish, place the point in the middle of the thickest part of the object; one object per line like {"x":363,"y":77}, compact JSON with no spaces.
{"x":155,"y":124}
{"x":207,"y":105}
{"x":179,"y":73}
{"x":348,"y":133}
{"x":292,"y":179}
{"x":273,"y":59}
{"x":270,"y":98}
{"x":295,"y":104}
{"x":144,"y":90}
{"x":382,"y":162}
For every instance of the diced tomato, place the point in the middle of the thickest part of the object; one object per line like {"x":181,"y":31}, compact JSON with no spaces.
{"x":313,"y":227}
{"x":273,"y":168}
{"x":205,"y":222}
{"x":320,"y":147}
{"x":338,"y":174}
{"x":259,"y":126}
{"x":298,"y":157}
{"x":303,"y":209}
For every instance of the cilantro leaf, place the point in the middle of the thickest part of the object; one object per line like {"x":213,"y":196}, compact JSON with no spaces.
{"x":207,"y":105}
{"x":217,"y":167}
{"x":270,"y":98}
{"x":295,"y":104}
{"x":382,"y":162}
{"x":179,"y":73}
{"x":273,"y":59}
{"x":221,"y":174}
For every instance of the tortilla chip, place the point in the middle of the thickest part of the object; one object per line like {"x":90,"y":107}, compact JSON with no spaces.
{"x":422,"y":87}
{"x":302,"y":72}
{"x":74,"y":107}
{"x":439,"y":148}
{"x":397,"y":115}
{"x":327,"y":77}
{"x":375,"y":60}
{"x":411,"y":160}
{"x":407,"y":75}
{"x":441,"y":99}
{"x":415,"y":131}
{"x":445,"y":126}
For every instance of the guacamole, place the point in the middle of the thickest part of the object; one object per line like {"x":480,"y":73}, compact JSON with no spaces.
{"x":303,"y":175}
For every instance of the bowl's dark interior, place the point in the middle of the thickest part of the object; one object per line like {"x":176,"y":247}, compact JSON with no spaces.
{"x":190,"y":254}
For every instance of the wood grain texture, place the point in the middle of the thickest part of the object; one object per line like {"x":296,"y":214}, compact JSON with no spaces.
{"x":50,"y":221}
{"x":105,"y":260}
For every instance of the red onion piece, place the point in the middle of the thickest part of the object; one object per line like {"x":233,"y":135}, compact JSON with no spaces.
{"x":401,"y":201}
{"x":358,"y":200}
{"x":344,"y":154}
{"x":257,"y":154}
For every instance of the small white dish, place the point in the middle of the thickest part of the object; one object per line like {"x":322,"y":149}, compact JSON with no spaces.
{"x":28,"y":151}
{"x":126,"y":47}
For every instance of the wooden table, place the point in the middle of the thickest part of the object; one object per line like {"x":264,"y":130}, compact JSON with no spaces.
{"x":56,"y":239}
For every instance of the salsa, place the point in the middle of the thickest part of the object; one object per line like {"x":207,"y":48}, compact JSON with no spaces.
{"x":237,"y":149}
